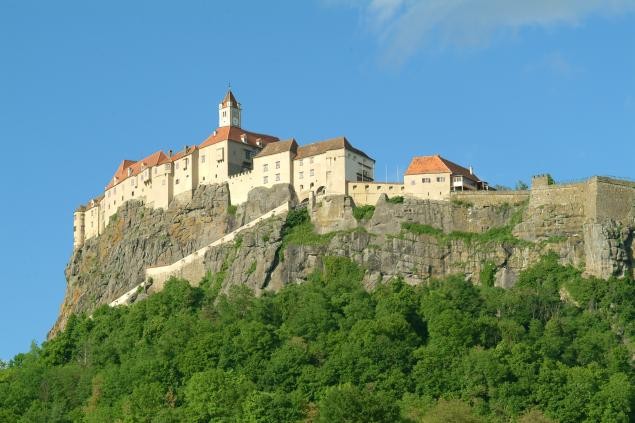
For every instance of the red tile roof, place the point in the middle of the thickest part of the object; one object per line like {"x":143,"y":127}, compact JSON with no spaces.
{"x":185,"y":152}
{"x":233,"y":133}
{"x":122,"y":173}
{"x":327,"y":145}
{"x":437,"y":164}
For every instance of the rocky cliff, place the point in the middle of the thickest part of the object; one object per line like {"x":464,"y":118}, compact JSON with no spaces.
{"x":486,"y":241}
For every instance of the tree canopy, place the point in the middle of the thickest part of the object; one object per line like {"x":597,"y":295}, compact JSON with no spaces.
{"x":330,"y":351}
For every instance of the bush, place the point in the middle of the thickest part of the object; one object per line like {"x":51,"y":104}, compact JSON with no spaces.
{"x":398,"y":199}
{"x":363,"y":212}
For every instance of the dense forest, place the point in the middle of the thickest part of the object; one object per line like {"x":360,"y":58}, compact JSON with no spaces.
{"x":555,"y":347}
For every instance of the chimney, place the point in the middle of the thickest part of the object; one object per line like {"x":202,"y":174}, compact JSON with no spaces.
{"x":471,"y":170}
{"x":170,"y":153}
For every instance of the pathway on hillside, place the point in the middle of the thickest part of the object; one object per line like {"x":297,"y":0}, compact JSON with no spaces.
{"x":162,"y":273}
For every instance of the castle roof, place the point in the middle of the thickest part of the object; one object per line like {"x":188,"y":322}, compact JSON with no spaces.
{"x":437,"y":164}
{"x":279,"y":147}
{"x":130,"y":168}
{"x":321,"y":147}
{"x":185,"y":152}
{"x":233,"y":133}
{"x":229,"y":97}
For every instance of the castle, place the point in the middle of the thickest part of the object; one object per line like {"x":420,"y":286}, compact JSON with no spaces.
{"x":245,"y":160}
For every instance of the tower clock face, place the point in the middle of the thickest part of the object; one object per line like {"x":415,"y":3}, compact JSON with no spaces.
{"x":235,"y":120}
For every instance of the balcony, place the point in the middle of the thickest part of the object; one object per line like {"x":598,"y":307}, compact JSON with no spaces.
{"x":460,"y":183}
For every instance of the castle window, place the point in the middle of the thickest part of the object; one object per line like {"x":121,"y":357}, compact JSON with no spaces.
{"x":425,"y":180}
{"x":412,"y":182}
{"x":176,"y":182}
{"x":440,"y":178}
{"x":301,"y":187}
{"x":203,"y":158}
{"x":301,"y":162}
{"x":185,"y":164}
{"x":277,"y":176}
{"x":265,"y":180}
{"x":301,"y":175}
{"x":311,"y":160}
{"x":265,"y":168}
{"x":278,"y":164}
{"x":311,"y":172}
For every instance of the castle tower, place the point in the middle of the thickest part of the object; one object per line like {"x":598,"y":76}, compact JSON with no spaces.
{"x":229,"y":111}
{"x":79,"y":231}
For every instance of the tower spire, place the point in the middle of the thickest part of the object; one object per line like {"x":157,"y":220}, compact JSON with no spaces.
{"x":229,"y":110}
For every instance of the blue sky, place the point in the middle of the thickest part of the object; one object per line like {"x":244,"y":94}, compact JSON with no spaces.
{"x":512,"y":88}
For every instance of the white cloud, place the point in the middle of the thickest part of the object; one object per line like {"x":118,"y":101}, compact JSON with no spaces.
{"x":403,"y":26}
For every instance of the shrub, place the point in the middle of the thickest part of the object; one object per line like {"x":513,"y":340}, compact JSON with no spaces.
{"x":363,"y":212}
{"x":398,"y":199}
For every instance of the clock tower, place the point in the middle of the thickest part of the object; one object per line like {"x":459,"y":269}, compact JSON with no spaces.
{"x":229,"y":111}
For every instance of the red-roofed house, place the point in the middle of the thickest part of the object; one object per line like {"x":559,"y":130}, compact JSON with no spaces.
{"x":433,"y":178}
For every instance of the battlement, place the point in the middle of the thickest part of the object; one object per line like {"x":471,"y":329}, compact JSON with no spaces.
{"x":247,"y":173}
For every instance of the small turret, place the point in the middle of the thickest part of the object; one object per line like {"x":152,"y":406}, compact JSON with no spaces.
{"x":542,"y":180}
{"x":79,"y":229}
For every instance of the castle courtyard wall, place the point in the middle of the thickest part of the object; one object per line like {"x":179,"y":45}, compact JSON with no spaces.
{"x":367,"y":193}
{"x":485,"y":198}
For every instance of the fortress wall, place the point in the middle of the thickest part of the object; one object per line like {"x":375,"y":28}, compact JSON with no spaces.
{"x":573,"y":197}
{"x":364,"y":193}
{"x":615,"y":199}
{"x":486,"y":198}
{"x":239,"y":186}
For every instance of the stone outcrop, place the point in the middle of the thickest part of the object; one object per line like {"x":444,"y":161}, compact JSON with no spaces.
{"x":418,"y":240}
{"x":107,"y":266}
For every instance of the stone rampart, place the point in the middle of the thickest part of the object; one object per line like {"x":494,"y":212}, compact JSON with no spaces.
{"x":490,"y":198}
{"x":615,"y":199}
{"x":364,"y":193}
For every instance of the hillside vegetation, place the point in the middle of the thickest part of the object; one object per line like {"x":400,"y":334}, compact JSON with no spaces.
{"x":552,"y":348}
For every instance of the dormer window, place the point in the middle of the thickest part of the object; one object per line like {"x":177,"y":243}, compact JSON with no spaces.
{"x":243,"y":138}
{"x":129,"y":171}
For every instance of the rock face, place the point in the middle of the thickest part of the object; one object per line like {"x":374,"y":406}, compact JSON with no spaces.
{"x":414,"y":239}
{"x":138,"y":237}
